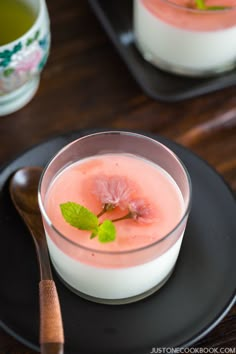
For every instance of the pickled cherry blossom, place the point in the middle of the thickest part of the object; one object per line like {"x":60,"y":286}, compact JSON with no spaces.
{"x":113,"y":191}
{"x":117,"y":191}
{"x":141,"y":211}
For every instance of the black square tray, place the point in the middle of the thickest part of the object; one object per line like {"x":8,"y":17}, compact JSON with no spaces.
{"x":116,"y":18}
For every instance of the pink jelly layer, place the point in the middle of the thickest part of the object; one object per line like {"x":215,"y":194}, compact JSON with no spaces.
{"x":183,"y":14}
{"x":76,"y":183}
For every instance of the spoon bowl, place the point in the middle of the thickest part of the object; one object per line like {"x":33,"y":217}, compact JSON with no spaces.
{"x":24,"y":189}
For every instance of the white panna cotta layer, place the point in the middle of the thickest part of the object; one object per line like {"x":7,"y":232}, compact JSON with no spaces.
{"x":113,"y":283}
{"x":181,"y":50}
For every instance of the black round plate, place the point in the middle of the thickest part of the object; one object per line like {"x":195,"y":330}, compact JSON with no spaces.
{"x":197,"y":296}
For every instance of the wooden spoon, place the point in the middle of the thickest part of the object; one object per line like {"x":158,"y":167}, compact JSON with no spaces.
{"x":24,"y":190}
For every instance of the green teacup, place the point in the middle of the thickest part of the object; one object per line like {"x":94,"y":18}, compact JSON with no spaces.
{"x":24,"y":49}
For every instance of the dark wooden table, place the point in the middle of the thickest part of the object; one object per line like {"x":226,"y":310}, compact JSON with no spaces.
{"x":86,"y":85}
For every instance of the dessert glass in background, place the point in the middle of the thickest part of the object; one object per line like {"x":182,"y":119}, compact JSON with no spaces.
{"x":150,"y":178}
{"x":24,"y":49}
{"x":177,"y":37}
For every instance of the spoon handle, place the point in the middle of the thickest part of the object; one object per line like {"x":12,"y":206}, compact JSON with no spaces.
{"x":51,"y":329}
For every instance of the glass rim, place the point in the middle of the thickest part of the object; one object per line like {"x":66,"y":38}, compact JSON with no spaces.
{"x":198,"y":11}
{"x":105,"y":252}
{"x":31,"y":29}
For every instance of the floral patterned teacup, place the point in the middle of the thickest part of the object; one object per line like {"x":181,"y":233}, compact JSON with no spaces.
{"x":22,"y":61}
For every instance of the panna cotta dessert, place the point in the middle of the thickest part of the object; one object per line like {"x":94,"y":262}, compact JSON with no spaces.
{"x":114,"y":218}
{"x":189,"y":37}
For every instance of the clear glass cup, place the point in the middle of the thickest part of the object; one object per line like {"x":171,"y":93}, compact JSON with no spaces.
{"x":185,"y":40}
{"x":115,"y":277}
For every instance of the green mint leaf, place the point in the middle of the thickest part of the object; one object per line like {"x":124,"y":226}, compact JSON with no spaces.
{"x":106,"y":231}
{"x":215,"y":8}
{"x":200,"y":4}
{"x":93,"y":234}
{"x":79,"y":216}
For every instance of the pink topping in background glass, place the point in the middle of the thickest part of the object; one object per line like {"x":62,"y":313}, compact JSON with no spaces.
{"x":132,"y":182}
{"x":184,"y":14}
